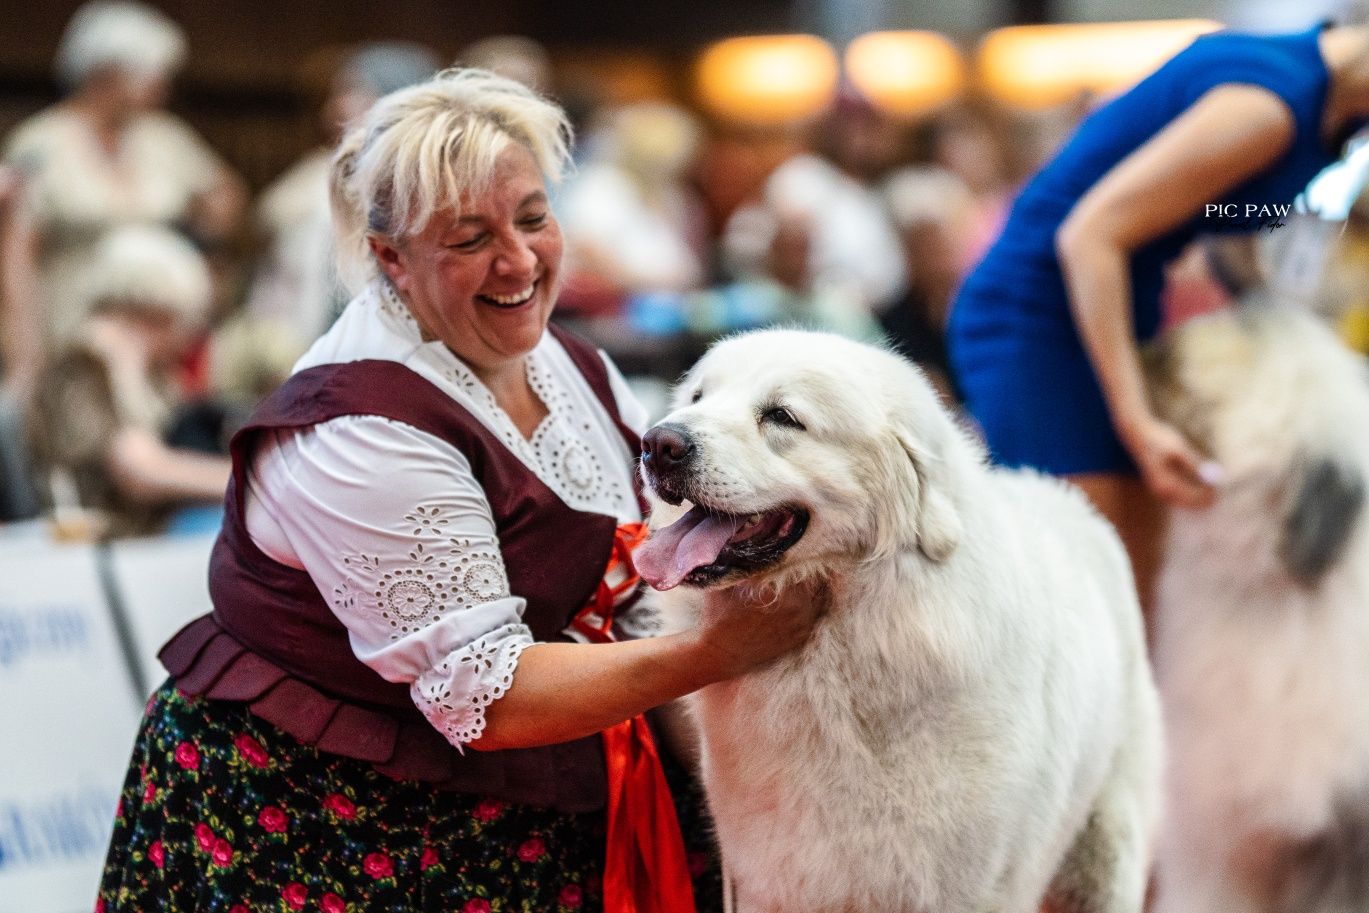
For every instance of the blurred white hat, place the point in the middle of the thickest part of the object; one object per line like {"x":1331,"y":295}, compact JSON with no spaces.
{"x":121,"y":33}
{"x":150,"y":268}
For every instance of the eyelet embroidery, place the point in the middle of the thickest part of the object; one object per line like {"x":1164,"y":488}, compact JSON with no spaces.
{"x":557,"y":451}
{"x":485,"y":668}
{"x":392,"y":304}
{"x":416,"y":590}
{"x":483,"y":581}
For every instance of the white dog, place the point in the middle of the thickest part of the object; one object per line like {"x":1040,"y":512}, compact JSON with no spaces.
{"x":972,"y":725}
{"x":1262,"y":636}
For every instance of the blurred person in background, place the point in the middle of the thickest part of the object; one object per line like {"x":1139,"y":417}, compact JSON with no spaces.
{"x":418,"y":689}
{"x":634,"y":226}
{"x":933,"y":210}
{"x":1044,"y":332}
{"x":108,"y":399}
{"x":970,"y":142}
{"x":22,"y":351}
{"x":514,"y":57}
{"x":853,"y":242}
{"x":295,"y":293}
{"x":108,"y":155}
{"x":782,"y":289}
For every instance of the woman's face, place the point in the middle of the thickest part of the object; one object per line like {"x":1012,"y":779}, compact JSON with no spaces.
{"x":484,"y":283}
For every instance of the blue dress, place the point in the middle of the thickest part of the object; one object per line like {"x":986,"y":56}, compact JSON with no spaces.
{"x":1014,"y":345}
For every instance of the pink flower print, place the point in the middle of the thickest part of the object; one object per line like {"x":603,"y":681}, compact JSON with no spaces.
{"x":331,"y":903}
{"x":294,"y":895}
{"x":187,"y":755}
{"x":487,"y":810}
{"x":204,"y":836}
{"x":157,"y":854}
{"x":272,"y":820}
{"x":532,"y":849}
{"x":222,"y":853}
{"x":476,"y":905}
{"x":429,"y":858}
{"x":149,"y":792}
{"x":341,"y":806}
{"x":238,"y":908}
{"x":100,"y":905}
{"x":378,"y":865}
{"x":570,"y":896}
{"x":251,"y":751}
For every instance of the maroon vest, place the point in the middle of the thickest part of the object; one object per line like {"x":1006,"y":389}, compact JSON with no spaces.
{"x":272,"y":640}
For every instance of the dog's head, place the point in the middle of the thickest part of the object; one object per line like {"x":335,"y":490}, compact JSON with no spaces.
{"x":1271,"y":394}
{"x":794,"y":449}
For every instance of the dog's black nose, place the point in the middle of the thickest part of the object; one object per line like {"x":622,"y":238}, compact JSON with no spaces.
{"x":667,"y":447}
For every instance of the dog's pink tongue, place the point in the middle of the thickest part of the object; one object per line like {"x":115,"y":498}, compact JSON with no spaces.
{"x":691,"y":541}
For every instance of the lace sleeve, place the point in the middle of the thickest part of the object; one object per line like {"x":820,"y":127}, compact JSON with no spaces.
{"x":406,"y":552}
{"x":453,"y":695}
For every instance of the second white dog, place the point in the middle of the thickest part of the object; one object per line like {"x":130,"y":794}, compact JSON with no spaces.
{"x":1262,"y":635}
{"x":972,"y":727}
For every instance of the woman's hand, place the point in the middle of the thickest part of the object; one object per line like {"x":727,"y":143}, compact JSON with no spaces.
{"x":566,"y":691}
{"x":1169,"y":464}
{"x":743,"y":629}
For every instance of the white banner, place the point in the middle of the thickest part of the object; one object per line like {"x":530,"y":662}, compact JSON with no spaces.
{"x":68,"y":714}
{"x":163,"y":584}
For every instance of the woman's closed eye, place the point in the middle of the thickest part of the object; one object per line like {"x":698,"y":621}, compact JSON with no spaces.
{"x":469,"y":244}
{"x":534,"y":221}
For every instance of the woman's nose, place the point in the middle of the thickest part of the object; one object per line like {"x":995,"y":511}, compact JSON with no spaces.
{"x":516,"y":257}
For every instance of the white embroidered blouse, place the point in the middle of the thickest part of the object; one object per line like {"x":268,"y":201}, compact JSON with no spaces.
{"x":393,"y":528}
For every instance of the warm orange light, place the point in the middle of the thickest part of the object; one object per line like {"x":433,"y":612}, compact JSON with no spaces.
{"x":771,"y":79}
{"x":1037,"y":66}
{"x":906,"y":73}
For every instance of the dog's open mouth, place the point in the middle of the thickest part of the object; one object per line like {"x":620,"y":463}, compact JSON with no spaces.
{"x":702,"y":546}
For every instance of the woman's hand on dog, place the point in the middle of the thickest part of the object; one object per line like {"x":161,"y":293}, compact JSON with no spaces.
{"x":741,"y":629}
{"x":1169,"y":464}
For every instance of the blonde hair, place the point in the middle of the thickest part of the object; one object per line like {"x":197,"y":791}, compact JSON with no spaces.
{"x":118,"y":33}
{"x":418,"y":150}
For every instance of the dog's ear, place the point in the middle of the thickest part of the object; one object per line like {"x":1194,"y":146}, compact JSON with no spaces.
{"x":1325,"y":507}
{"x":923,"y":483}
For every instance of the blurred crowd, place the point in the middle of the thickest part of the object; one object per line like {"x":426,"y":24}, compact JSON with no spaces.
{"x":148,"y":299}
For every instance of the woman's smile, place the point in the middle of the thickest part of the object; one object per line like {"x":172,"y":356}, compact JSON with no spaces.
{"x":509,"y":302}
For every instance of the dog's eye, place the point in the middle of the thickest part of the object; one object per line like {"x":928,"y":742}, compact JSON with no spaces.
{"x":698,"y":395}
{"x":778,"y":415}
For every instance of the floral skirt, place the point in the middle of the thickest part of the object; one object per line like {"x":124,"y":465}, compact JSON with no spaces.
{"x":223,"y":812}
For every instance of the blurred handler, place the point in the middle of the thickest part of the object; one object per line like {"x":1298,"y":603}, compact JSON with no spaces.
{"x":108,"y":155}
{"x":1044,"y":332}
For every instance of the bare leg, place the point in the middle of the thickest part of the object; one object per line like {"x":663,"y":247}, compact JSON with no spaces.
{"x":1139,"y":518}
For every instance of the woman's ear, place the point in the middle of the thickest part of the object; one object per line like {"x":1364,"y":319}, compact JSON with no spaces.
{"x":393,"y":263}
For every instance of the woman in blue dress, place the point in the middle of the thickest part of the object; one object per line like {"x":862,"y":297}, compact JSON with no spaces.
{"x":1044,"y":333}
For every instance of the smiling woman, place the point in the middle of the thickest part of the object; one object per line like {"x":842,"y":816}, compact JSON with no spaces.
{"x":428,"y":548}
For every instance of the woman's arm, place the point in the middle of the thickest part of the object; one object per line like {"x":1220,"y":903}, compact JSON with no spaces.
{"x":567,"y":691}
{"x":1229,"y":135}
{"x":384,"y":517}
{"x":22,"y":341}
{"x":148,"y":471}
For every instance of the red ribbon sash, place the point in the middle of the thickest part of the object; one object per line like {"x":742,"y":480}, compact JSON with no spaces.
{"x":645,"y":870}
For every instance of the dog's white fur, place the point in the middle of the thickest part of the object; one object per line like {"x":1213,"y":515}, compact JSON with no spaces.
{"x":1265,"y":672}
{"x":972,"y":725}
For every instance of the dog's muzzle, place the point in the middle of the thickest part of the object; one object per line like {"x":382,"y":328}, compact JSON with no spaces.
{"x":668,"y":455}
